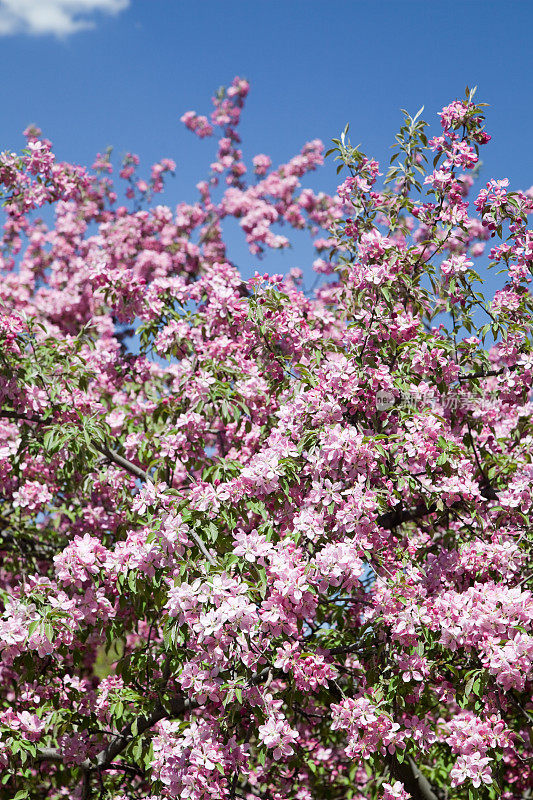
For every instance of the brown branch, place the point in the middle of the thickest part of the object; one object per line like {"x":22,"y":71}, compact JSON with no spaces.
{"x":408,"y":773}
{"x":393,"y":518}
{"x":133,"y":469}
{"x":108,"y":452}
{"x":121,"y":740}
{"x":7,"y":414}
{"x":49,"y":754}
{"x":490,"y":373}
{"x":176,"y":707}
{"x":202,"y":547}
{"x":122,"y":462}
{"x":85,"y":786}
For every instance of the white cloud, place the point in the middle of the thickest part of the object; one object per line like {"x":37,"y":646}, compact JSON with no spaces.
{"x":57,"y":17}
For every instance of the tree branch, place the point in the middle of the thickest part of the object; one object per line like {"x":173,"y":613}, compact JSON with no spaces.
{"x":408,"y":773}
{"x":122,"y":462}
{"x":49,"y":754}
{"x":202,"y":547}
{"x":490,"y":373}
{"x":176,"y":707}
{"x":393,"y":518}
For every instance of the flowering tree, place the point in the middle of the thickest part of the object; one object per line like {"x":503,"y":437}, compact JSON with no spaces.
{"x":278,"y":544}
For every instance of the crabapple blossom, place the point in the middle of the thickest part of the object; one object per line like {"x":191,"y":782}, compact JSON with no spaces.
{"x":259,"y":539}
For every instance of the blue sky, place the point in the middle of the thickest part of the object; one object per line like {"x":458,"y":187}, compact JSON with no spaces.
{"x":122,"y":74}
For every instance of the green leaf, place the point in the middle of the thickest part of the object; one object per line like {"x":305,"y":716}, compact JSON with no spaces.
{"x":468,"y":687}
{"x":168,"y":637}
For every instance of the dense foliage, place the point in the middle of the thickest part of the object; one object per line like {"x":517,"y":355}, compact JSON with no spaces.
{"x":259,"y":541}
